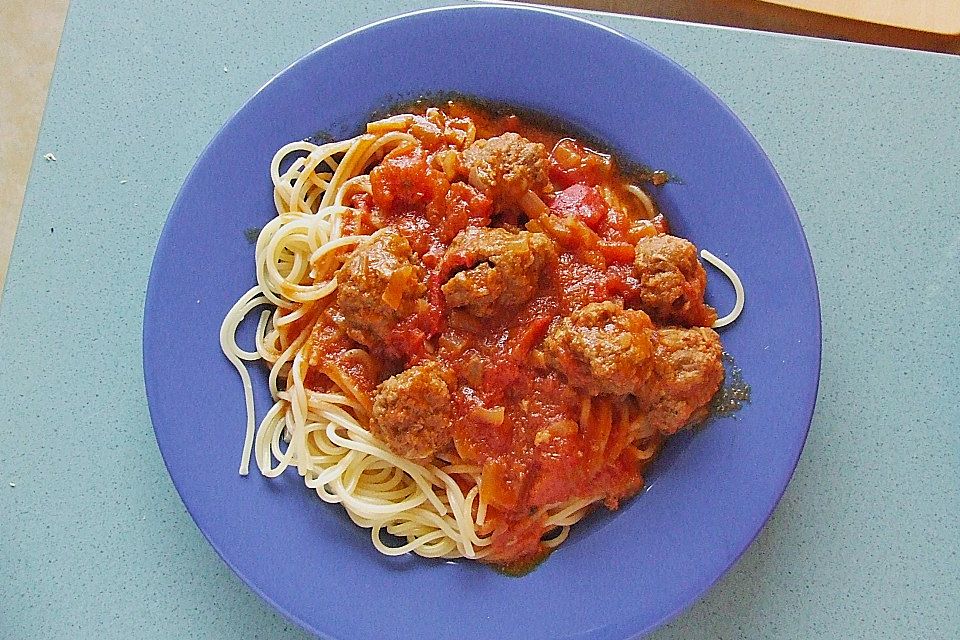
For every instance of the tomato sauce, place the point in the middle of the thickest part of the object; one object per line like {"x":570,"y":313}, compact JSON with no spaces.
{"x":541,"y":454}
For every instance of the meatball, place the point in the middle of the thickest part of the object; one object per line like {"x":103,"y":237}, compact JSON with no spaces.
{"x":602,"y":348}
{"x":672,"y":281}
{"x":412,"y":412}
{"x":506,"y":166}
{"x":379,"y":285}
{"x":503,"y":269}
{"x":687,"y":372}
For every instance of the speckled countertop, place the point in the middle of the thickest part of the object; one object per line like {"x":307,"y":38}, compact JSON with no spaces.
{"x":94,"y":541}
{"x":29,"y":37}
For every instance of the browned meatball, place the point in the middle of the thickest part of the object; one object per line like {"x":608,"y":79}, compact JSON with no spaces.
{"x":379,"y":285}
{"x":687,"y":372}
{"x":602,"y":348}
{"x":412,"y":413}
{"x":506,"y":166}
{"x":672,"y":281}
{"x":503,"y":269}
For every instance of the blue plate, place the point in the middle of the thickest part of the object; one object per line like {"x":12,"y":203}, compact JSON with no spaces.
{"x":618,"y":575}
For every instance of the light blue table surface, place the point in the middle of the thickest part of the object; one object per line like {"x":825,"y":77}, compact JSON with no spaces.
{"x":95,"y":543}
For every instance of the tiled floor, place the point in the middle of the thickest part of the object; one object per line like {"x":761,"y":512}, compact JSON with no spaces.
{"x":29,"y":37}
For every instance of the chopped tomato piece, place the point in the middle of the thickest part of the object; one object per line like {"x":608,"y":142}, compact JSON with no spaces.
{"x":404,"y":180}
{"x":464,"y":206}
{"x":580,"y":201}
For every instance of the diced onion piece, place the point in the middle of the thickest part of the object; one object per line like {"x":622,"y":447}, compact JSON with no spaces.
{"x":642,"y":229}
{"x":455,"y":136}
{"x":566,"y":157}
{"x":472,"y":371}
{"x":534,"y":226}
{"x":453,"y":342}
{"x":584,"y":235}
{"x":492,"y":417}
{"x":447,"y":162}
{"x":557,"y":229}
{"x":533,"y":206}
{"x":561,"y":428}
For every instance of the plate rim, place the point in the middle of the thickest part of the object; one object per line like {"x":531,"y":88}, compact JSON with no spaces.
{"x":637,"y":628}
